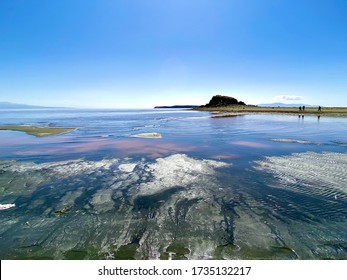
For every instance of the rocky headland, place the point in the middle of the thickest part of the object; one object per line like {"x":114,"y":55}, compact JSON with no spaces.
{"x":222,"y":101}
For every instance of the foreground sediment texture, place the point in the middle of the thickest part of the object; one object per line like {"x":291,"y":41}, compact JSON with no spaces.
{"x":321,"y":174}
{"x":174,"y":207}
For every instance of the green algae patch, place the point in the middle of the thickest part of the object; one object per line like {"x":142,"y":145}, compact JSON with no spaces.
{"x":38,"y":131}
{"x":126,"y":252}
{"x":75,"y":255}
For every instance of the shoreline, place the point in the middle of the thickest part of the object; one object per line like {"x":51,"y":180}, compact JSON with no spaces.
{"x":241,"y":110}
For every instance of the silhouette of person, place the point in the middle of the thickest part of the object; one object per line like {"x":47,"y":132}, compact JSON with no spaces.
{"x":303,"y":108}
{"x":319,"y":108}
{"x":300,"y":108}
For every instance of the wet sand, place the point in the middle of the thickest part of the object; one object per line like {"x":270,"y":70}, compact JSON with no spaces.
{"x":37,"y":131}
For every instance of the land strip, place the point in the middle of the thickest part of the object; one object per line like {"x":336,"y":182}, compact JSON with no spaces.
{"x":37,"y":131}
{"x":237,"y":109}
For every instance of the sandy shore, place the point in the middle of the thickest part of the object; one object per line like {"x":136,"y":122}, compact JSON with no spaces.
{"x":37,"y":131}
{"x":235,"y":110}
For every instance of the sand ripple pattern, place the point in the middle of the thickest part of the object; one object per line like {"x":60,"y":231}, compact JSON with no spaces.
{"x":310,"y":173}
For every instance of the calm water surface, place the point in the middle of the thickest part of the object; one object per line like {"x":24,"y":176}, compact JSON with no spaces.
{"x":246,"y":187}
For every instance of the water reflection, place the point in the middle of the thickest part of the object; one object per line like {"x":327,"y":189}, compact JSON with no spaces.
{"x":275,"y":189}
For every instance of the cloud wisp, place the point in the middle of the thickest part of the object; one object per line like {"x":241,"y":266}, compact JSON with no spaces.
{"x":288,"y":97}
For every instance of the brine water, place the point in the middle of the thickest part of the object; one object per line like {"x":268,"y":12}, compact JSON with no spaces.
{"x":253,"y":186}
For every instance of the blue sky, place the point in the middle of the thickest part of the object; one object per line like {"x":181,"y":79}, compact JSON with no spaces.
{"x":138,"y":53}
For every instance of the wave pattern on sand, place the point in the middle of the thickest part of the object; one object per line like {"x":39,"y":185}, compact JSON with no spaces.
{"x":308,"y":192}
{"x":311,"y":173}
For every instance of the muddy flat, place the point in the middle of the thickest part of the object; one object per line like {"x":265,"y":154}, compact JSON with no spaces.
{"x":37,"y":131}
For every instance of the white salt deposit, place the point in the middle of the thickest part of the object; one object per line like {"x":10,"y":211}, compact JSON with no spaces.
{"x":289,"y":140}
{"x":6,"y":206}
{"x":177,"y":170}
{"x":187,"y":201}
{"x":147,"y":135}
{"x":62,"y":168}
{"x":127,"y":167}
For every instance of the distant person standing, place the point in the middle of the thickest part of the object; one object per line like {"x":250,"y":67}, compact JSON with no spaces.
{"x":300,"y":108}
{"x":303,"y":108}
{"x":319,"y":108}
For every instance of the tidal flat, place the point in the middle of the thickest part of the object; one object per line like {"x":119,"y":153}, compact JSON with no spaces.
{"x":247,"y":187}
{"x":37,"y":131}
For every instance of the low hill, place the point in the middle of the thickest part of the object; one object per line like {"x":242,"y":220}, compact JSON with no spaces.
{"x":223,"y":101}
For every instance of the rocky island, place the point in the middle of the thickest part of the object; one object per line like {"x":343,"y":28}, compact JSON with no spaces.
{"x":222,"y":101}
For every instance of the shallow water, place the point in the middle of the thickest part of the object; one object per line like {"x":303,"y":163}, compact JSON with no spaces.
{"x":247,"y":187}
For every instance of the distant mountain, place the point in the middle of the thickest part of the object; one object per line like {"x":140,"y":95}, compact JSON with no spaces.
{"x":9,"y":105}
{"x":176,"y":107}
{"x":278,"y":104}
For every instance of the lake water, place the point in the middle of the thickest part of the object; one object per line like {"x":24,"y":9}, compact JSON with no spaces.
{"x":255,"y":186}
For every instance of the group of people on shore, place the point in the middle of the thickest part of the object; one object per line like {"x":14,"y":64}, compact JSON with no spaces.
{"x":302,"y":108}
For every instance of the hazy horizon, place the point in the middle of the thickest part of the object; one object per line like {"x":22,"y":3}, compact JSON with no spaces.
{"x":158,"y":105}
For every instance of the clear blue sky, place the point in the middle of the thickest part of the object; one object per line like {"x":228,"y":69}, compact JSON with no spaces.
{"x":138,"y":53}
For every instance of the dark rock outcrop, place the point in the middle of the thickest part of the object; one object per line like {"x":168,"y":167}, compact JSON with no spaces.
{"x":223,"y":101}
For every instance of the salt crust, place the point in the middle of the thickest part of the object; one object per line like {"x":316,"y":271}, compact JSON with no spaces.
{"x":289,"y":140}
{"x":127,"y":167}
{"x":164,"y":173}
{"x":196,"y":179}
{"x":171,"y":170}
{"x":64,"y":168}
{"x":177,"y":170}
{"x":147,"y":135}
{"x":6,"y":206}
{"x":302,"y":172}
